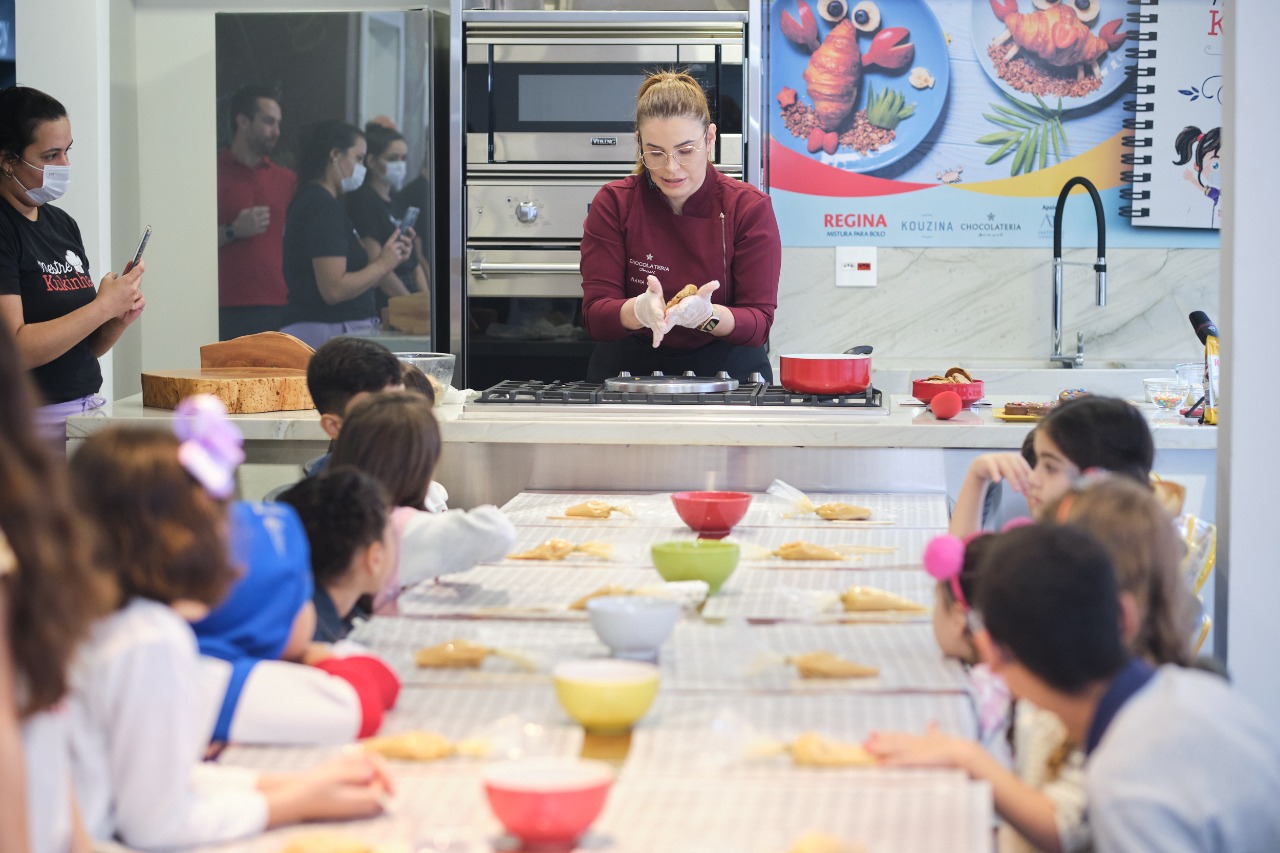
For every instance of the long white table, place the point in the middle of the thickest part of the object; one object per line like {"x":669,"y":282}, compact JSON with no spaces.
{"x":694,"y":777}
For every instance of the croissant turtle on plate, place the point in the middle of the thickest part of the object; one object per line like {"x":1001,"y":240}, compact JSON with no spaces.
{"x":828,"y":665}
{"x":843,"y":512}
{"x":800,"y":550}
{"x":813,"y":750}
{"x":869,"y":598}
{"x":595,"y":509}
{"x":410,"y":746}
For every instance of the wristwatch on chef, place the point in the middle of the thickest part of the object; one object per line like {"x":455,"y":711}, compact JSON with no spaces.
{"x":710,"y":324}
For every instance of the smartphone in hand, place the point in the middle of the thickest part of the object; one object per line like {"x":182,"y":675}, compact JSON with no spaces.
{"x":410,"y":219}
{"x":142,"y":246}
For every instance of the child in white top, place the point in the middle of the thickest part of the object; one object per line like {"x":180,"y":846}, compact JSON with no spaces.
{"x":50,"y":592}
{"x":140,"y":711}
{"x":394,"y":437}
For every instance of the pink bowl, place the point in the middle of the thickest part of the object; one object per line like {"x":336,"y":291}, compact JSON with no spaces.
{"x":547,"y":803}
{"x":711,"y":514}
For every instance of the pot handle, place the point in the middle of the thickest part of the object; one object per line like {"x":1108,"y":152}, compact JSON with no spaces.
{"x":862,"y":349}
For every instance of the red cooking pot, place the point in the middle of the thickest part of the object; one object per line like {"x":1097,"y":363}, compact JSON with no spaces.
{"x":831,"y":373}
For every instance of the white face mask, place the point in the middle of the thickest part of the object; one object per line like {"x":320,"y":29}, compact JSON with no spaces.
{"x":353,"y":181}
{"x":56,"y":181}
{"x":395,"y":173}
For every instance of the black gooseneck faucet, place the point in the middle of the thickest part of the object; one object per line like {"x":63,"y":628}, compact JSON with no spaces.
{"x":1099,"y":268}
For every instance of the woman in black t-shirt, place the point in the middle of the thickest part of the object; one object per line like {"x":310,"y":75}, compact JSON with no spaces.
{"x":329,"y":273}
{"x":61,"y":324}
{"x":374,"y":213}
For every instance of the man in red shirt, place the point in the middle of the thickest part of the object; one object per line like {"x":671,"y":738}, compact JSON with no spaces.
{"x":253,"y":195}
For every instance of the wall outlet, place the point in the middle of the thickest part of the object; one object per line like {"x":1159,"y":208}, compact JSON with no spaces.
{"x":856,"y":266}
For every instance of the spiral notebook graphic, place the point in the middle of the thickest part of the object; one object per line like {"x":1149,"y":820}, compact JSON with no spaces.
{"x":1174,"y":166}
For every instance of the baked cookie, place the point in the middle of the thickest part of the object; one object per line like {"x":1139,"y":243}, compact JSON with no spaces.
{"x":684,"y":293}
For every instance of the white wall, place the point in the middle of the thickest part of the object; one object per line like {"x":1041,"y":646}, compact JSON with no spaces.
{"x":1248,"y":461}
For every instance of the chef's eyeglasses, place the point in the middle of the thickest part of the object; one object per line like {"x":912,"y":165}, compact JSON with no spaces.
{"x":684,"y":155}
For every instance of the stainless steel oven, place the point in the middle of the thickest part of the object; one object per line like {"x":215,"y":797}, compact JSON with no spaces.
{"x":543,"y":116}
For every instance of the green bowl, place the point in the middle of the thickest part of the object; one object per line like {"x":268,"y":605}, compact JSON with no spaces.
{"x":709,"y":560}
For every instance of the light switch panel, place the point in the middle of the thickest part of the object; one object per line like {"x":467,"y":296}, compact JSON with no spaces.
{"x":856,"y":266}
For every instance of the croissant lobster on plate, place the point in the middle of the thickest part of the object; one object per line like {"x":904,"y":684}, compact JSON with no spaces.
{"x":835,"y":68}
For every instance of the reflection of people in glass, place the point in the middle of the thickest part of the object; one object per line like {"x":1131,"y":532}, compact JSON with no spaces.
{"x":678,"y":221}
{"x":253,"y":194}
{"x":417,"y":193}
{"x":372,"y":211}
{"x":1206,"y":173}
{"x":47,"y":300}
{"x":330,"y":274}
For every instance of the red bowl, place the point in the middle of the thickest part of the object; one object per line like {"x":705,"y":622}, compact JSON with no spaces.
{"x":969,"y":392}
{"x":825,"y":374}
{"x":547,"y":802}
{"x":711,"y":514}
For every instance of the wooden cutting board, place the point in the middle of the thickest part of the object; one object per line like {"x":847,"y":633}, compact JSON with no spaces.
{"x":244,"y":390}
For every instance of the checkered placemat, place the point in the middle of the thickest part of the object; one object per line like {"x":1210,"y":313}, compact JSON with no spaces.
{"x":735,"y":656}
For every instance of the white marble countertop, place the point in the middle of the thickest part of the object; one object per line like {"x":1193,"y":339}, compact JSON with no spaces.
{"x":904,"y":425}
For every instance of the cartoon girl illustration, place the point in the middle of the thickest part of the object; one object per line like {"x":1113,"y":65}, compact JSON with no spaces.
{"x":1205,"y":147}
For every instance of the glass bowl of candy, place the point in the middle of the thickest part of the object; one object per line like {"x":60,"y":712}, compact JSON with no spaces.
{"x":1166,"y":393}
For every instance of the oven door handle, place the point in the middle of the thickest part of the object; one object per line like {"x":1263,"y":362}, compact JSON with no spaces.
{"x":480,"y":269}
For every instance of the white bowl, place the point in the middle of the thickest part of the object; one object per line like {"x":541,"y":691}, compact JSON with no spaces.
{"x":633,"y":627}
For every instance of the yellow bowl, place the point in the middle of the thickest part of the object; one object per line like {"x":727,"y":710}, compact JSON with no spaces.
{"x":605,"y":695}
{"x":709,"y":560}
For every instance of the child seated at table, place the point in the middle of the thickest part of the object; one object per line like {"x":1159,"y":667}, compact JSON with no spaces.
{"x":1043,"y":800}
{"x":139,"y":710}
{"x":953,"y":563}
{"x":344,"y":371}
{"x":393,"y":436}
{"x":274,"y":685}
{"x":353,"y":544}
{"x":1177,"y":760}
{"x":1085,"y":434}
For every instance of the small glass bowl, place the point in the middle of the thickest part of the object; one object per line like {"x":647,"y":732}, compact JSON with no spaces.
{"x":1166,"y":393}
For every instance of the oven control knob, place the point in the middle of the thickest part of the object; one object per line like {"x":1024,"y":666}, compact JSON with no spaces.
{"x":688,"y":373}
{"x":624,"y":374}
{"x":526,"y":211}
{"x":657,"y":373}
{"x":722,"y":374}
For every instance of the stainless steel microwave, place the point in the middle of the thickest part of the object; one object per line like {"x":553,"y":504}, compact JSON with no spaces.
{"x":558,"y":90}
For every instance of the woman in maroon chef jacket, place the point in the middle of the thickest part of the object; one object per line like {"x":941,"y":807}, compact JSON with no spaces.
{"x":678,"y":221}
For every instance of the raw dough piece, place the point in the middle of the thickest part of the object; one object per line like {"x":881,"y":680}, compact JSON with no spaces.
{"x":327,"y":842}
{"x":455,"y":654}
{"x":821,"y":842}
{"x":601,"y":550}
{"x":684,"y":293}
{"x":590,"y":510}
{"x":552,"y":549}
{"x":843,"y":512}
{"x":602,"y":592}
{"x":858,"y":598}
{"x":806,"y":551}
{"x":813,"y":750}
{"x":827,"y":665}
{"x":410,"y":746}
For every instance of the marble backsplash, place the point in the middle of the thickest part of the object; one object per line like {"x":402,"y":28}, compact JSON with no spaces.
{"x":938,"y":307}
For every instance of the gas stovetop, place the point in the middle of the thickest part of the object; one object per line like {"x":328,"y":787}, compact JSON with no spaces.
{"x":657,"y":390}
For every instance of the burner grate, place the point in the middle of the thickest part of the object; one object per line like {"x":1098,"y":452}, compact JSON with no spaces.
{"x":746,"y":394}
{"x":776,"y":395}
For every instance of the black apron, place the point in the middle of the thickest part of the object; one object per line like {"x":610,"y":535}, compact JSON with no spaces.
{"x":638,"y":355}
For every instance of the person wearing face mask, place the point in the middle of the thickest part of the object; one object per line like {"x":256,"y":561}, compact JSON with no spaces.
{"x":678,"y":221}
{"x":253,"y":194}
{"x":372,"y":211}
{"x":48,"y":302}
{"x":330,"y":274}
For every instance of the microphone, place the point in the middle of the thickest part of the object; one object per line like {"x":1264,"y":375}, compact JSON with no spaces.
{"x":1203,"y":325}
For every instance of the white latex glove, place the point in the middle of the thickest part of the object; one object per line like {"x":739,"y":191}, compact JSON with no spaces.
{"x":692,"y":311}
{"x":650,"y":308}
